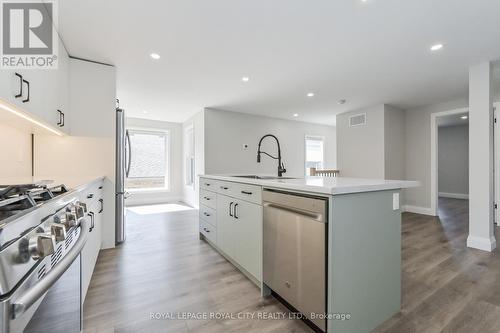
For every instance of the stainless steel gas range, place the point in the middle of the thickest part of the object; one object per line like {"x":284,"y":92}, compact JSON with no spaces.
{"x":42,"y":232}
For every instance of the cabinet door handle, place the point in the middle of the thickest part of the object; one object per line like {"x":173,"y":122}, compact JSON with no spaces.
{"x":207,"y":184}
{"x":245,"y":192}
{"x":206,"y":198}
{"x":90,"y":196}
{"x":91,"y":214}
{"x":230,"y":209}
{"x":235,"y":216}
{"x":20,"y":85}
{"x":224,"y":188}
{"x":206,"y":214}
{"x":60,"y":117}
{"x":28,"y":97}
{"x":206,"y":230}
{"x":102,"y":206}
{"x":62,"y":124}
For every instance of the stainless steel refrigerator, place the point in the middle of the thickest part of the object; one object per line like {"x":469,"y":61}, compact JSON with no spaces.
{"x":122,"y":169}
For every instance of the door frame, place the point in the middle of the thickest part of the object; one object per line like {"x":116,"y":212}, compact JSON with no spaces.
{"x":434,"y":154}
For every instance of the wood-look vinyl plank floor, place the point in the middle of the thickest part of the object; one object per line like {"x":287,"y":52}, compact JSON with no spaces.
{"x":163,"y":267}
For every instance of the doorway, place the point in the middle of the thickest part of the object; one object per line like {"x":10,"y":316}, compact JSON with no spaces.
{"x":449,"y":158}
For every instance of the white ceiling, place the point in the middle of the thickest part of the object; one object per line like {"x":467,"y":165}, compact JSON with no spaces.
{"x":366,"y":52}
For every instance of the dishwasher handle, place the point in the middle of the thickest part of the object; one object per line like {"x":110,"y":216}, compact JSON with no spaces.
{"x":315,"y":216}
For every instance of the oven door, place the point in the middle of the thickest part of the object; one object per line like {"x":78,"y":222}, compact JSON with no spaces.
{"x":49,"y":300}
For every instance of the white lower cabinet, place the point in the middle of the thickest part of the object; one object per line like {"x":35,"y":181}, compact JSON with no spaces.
{"x":95,"y":208}
{"x":239,"y":233}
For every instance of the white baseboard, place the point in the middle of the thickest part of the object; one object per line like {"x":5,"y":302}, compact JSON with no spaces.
{"x":453,"y":195}
{"x":481,"y":243}
{"x":417,"y":210}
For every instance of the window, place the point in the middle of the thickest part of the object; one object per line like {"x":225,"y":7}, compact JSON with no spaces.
{"x":149,"y":160}
{"x":189,"y":155}
{"x":314,"y":153}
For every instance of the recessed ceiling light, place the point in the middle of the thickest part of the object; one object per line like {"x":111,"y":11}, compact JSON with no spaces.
{"x":311,"y":94}
{"x":155,"y":56}
{"x":464,"y":117}
{"x":295,"y":115}
{"x":342,"y":101}
{"x":436,"y":47}
{"x":245,"y":79}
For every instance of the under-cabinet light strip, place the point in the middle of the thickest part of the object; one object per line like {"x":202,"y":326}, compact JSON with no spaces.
{"x":7,"y":107}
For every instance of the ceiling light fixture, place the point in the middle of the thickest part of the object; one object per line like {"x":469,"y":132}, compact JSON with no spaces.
{"x":436,"y":47}
{"x":155,"y":56}
{"x":464,"y":117}
{"x":311,"y":94}
{"x":295,"y":115}
{"x":245,"y":79}
{"x":7,"y":107}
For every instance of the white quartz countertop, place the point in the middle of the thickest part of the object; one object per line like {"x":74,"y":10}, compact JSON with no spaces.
{"x":322,"y":185}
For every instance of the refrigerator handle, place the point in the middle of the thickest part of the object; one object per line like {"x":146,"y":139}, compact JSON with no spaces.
{"x":129,"y":157}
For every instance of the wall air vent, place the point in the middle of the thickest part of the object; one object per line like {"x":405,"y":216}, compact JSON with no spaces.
{"x":357,"y":120}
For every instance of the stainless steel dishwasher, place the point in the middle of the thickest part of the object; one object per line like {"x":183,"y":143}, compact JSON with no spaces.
{"x":295,"y":243}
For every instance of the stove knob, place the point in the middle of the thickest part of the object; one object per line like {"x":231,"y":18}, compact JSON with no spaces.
{"x":83,"y":205}
{"x":67,"y":219}
{"x":41,"y":245}
{"x":59,"y":231}
{"x":77,"y":210}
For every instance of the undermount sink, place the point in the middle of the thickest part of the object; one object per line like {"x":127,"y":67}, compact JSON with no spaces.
{"x":262,"y":177}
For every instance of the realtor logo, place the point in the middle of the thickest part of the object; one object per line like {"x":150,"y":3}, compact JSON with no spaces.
{"x":29,"y":39}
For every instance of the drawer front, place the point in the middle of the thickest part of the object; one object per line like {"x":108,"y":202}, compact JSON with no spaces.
{"x":209,"y":231}
{"x":251,"y":193}
{"x":208,"y":198}
{"x":208,"y":184}
{"x":208,"y":215}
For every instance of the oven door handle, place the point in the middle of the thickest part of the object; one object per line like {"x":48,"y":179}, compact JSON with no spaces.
{"x":26,"y":300}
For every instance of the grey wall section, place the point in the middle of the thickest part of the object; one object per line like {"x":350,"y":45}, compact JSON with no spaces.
{"x":360,"y":149}
{"x":394,"y":136}
{"x":226,"y":133}
{"x":375,"y":150}
{"x":418,"y":150}
{"x":453,"y":160}
{"x":174,"y":193}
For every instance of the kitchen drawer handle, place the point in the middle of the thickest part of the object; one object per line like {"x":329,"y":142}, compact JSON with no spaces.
{"x":102,"y":206}
{"x":207,"y":184}
{"x":90,"y":196}
{"x":235,"y":216}
{"x":230,"y":209}
{"x":28,"y":97}
{"x":91,"y":214}
{"x":20,"y":85}
{"x":245,"y":192}
{"x":63,"y":122}
{"x":206,"y":230}
{"x":224,"y":188}
{"x":206,"y":198}
{"x":60,"y":117}
{"x":206,"y":214}
{"x":100,"y":187}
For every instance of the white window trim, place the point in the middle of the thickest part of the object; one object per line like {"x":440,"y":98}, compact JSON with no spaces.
{"x":168,"y":188}
{"x":312,"y":137}
{"x":188,"y":128}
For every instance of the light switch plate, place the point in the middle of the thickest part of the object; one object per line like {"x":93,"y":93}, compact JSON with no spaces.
{"x":395,"y":201}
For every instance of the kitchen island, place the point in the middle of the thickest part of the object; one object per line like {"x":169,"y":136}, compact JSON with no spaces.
{"x":356,"y":258}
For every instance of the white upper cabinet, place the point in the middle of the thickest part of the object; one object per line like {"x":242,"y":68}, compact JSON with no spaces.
{"x":42,"y":93}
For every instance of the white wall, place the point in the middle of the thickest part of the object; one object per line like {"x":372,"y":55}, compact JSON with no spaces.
{"x":15,"y":152}
{"x":191,"y":192}
{"x":174,"y":193}
{"x":90,"y":150}
{"x":418,"y":150}
{"x":394,"y":138}
{"x":453,"y":161}
{"x":226,"y":133}
{"x":360,"y":149}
